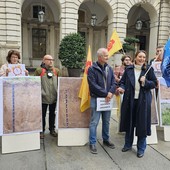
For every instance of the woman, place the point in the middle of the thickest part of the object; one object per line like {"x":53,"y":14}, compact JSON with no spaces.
{"x":136,"y":105}
{"x":12,"y":58}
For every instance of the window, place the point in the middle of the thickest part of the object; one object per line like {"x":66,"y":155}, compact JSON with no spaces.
{"x":38,"y":42}
{"x":36,"y":9}
{"x":81,"y":15}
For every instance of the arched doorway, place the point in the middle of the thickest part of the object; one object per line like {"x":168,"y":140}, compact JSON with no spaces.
{"x":39,"y":38}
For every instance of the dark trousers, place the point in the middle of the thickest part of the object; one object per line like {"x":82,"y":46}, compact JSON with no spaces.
{"x":51,"y":115}
{"x":141,"y":141}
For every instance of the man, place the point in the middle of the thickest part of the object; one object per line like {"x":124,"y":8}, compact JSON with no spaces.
{"x":49,"y":76}
{"x":101,"y":84}
{"x":159,"y":54}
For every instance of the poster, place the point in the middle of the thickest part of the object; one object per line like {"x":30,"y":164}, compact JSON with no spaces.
{"x":102,"y":105}
{"x":1,"y":107}
{"x":154,"y":109}
{"x":22,"y":105}
{"x":16,"y":70}
{"x":164,"y":99}
{"x":69,"y":115}
{"x":157,"y":68}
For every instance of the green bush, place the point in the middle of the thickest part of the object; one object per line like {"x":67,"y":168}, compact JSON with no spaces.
{"x":72,"y":51}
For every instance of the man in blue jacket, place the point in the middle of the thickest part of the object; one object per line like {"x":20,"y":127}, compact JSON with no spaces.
{"x":101,"y":84}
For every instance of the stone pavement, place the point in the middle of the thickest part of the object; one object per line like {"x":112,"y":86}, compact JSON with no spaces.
{"x":52,"y":157}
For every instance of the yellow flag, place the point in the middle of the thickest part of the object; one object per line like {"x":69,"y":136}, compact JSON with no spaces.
{"x":114,"y":44}
{"x":84,"y":93}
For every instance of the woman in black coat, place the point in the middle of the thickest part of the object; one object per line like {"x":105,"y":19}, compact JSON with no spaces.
{"x":136,"y":104}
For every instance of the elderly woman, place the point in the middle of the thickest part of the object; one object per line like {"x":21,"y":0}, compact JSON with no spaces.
{"x":136,"y":105}
{"x":12,"y":58}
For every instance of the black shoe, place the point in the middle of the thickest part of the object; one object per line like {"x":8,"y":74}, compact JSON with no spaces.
{"x":125,"y":149}
{"x":53,"y":133}
{"x":140,"y":155}
{"x":93,"y":149}
{"x":109,"y":144}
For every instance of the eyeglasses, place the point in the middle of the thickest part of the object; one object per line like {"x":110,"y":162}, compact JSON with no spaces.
{"x":49,"y":59}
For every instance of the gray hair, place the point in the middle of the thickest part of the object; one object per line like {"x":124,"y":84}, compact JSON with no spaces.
{"x":100,"y":51}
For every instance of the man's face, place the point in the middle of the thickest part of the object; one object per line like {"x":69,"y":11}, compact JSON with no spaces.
{"x":159,"y":53}
{"x":104,"y":58}
{"x":48,"y":61}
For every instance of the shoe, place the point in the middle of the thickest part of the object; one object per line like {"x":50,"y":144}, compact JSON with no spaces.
{"x":140,"y":155}
{"x":93,"y":149}
{"x":125,"y":149}
{"x":109,"y":144}
{"x":41,"y":135}
{"x":53,"y":133}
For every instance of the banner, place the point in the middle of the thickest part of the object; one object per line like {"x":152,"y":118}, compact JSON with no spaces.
{"x":165,"y":67}
{"x":114,"y":44}
{"x":84,"y":93}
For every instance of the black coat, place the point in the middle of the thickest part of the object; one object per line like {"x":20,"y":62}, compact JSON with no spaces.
{"x":143,"y":115}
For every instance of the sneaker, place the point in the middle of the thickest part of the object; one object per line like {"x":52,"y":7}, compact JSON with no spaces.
{"x":109,"y":144}
{"x":53,"y":133}
{"x":41,"y":135}
{"x":93,"y":149}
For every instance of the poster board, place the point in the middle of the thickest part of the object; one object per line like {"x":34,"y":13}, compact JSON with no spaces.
{"x":164,"y":102}
{"x":22,"y":116}
{"x":1,"y":106}
{"x":71,"y":122}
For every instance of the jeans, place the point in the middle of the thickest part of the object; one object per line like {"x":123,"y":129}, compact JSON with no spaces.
{"x":95,"y":117}
{"x":51,"y":115}
{"x":141,"y":142}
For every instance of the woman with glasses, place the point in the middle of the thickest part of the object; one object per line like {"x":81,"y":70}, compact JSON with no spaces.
{"x":13,"y":57}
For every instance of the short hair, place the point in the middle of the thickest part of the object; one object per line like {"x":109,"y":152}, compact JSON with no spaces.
{"x":10,"y":53}
{"x":126,"y":56}
{"x":100,"y":51}
{"x":160,"y":46}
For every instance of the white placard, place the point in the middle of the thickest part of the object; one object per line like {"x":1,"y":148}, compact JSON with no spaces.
{"x":157,"y":68}
{"x":102,"y":105}
{"x":16,"y":70}
{"x":1,"y":106}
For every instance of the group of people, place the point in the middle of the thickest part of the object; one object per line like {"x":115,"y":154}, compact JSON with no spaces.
{"x":128,"y":79}
{"x":48,"y":74}
{"x":135,"y":82}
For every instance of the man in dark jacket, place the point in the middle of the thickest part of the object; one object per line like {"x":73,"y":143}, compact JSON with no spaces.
{"x":102,"y":85}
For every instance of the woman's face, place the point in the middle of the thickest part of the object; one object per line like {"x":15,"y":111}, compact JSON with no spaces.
{"x":140,"y":59}
{"x":14,"y":59}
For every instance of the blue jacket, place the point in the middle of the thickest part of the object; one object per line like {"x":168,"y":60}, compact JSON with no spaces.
{"x":101,"y":80}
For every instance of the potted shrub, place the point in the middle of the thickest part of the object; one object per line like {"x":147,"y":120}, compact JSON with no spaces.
{"x":72,"y":53}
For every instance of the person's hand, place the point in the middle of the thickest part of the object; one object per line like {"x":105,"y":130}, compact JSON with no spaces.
{"x":7,"y":71}
{"x":142,"y":80}
{"x":109,"y":96}
{"x":120,"y":90}
{"x":26,"y":72}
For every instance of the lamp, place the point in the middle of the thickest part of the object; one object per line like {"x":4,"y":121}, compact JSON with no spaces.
{"x":138,"y":24}
{"x":93,"y":20}
{"x":41,"y":14}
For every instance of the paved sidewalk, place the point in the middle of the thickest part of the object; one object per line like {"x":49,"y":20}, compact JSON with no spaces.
{"x":52,"y":157}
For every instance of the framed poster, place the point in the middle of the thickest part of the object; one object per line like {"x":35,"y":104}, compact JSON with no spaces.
{"x":22,"y":105}
{"x":1,"y":106}
{"x":164,"y":103}
{"x":69,"y":114}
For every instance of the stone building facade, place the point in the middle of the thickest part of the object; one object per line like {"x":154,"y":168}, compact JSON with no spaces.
{"x":20,"y":28}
